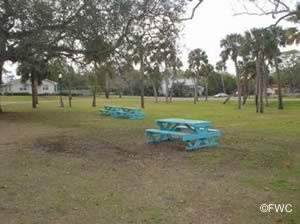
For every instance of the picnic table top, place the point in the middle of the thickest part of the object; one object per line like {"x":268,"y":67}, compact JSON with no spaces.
{"x":184,"y":121}
{"x":122,"y":107}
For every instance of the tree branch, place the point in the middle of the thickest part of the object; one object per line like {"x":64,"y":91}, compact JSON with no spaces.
{"x":193,"y":12}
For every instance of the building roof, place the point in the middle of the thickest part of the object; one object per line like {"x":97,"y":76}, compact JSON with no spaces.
{"x":19,"y":80}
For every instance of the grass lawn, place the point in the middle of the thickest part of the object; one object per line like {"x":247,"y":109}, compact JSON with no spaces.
{"x":73,"y":166}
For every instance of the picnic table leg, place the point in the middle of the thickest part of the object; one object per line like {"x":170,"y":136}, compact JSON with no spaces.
{"x":157,"y":138}
{"x":213,"y":141}
{"x":201,"y":143}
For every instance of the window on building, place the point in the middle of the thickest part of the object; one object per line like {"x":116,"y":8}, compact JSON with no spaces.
{"x":45,"y":87}
{"x":23,"y":88}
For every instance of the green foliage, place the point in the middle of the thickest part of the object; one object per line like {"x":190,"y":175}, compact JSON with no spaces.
{"x":98,"y":50}
{"x":232,"y":45}
{"x":196,"y":59}
{"x":230,"y":83}
{"x":215,"y":83}
{"x":290,"y":70}
{"x":33,"y":68}
{"x":70,"y":78}
{"x":221,"y":66}
{"x":181,"y":90}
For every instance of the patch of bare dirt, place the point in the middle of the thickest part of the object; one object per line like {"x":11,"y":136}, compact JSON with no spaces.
{"x":71,"y":145}
{"x":83,"y":146}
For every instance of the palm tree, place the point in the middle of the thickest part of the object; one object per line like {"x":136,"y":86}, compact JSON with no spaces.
{"x":168,"y":57}
{"x":196,"y":59}
{"x":138,"y":57}
{"x":176,"y":65}
{"x":292,"y":35}
{"x":282,"y":38}
{"x":155,"y":78}
{"x":232,"y":45}
{"x":248,"y":72}
{"x":158,"y":58}
{"x":266,"y":39}
{"x":206,"y":70}
{"x":221,"y":67}
{"x":256,"y":46}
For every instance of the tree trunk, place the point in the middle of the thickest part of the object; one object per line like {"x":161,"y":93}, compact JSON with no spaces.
{"x":33,"y":98}
{"x":265,"y":83}
{"x":261,"y":86}
{"x":229,"y":97}
{"x":94,"y":96}
{"x":142,"y":91}
{"x":238,"y":82}
{"x":70,"y":98}
{"x":256,"y":88}
{"x":33,"y":90}
{"x":1,"y":110}
{"x":3,"y":41}
{"x":206,"y":88}
{"x":171,"y":91}
{"x":1,"y":70}
{"x":223,"y":83}
{"x":196,"y":91}
{"x":245,"y":99}
{"x":173,"y":80}
{"x":37,"y":98}
{"x":106,"y":90}
{"x":260,"y":105}
{"x":154,"y":91}
{"x":142,"y":74}
{"x":61,"y":101}
{"x":36,"y":84}
{"x":280,"y":102}
{"x":246,"y":91}
{"x":94,"y":104}
{"x":120,"y":93}
{"x":167,"y":90}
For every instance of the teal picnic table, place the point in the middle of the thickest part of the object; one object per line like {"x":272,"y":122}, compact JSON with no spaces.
{"x":195,"y":134}
{"x":123,"y":112}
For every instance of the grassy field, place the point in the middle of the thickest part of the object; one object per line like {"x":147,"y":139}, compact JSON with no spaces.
{"x":73,"y":166}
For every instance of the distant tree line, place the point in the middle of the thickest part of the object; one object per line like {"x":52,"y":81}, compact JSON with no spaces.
{"x":131,"y":47}
{"x":92,"y":33}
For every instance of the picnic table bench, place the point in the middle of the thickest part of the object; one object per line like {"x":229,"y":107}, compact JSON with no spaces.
{"x":122,"y":112}
{"x":194,"y":133}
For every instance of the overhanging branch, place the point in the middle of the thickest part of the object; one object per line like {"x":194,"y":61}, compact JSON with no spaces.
{"x":193,"y":12}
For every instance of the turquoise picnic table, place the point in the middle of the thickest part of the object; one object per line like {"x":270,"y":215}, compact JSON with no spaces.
{"x":195,"y":134}
{"x":123,"y":112}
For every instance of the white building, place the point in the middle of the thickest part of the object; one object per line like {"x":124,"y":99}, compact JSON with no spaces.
{"x":47,"y":87}
{"x":187,"y":82}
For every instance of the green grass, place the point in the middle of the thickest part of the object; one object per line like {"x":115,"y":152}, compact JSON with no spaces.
{"x":70,"y":165}
{"x":280,"y":185}
{"x":15,"y":98}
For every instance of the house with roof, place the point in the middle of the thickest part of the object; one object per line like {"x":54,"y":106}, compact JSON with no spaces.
{"x":188,"y":83}
{"x":47,"y":87}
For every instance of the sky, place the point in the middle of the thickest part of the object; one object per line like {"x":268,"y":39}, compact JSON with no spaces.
{"x":214,"y":19}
